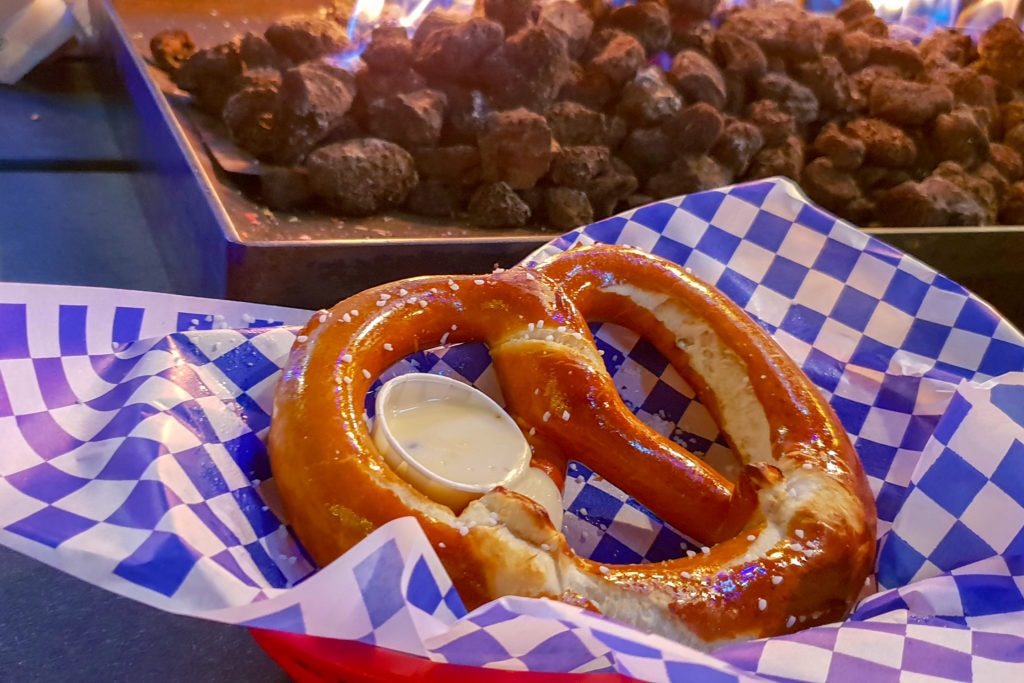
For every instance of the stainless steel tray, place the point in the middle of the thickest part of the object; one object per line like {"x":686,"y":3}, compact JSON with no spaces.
{"x":219,"y":243}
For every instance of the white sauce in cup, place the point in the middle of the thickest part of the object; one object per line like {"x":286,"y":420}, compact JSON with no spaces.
{"x":453,"y":443}
{"x":464,"y":441}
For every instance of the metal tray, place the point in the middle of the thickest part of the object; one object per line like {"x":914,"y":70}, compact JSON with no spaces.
{"x":219,"y":243}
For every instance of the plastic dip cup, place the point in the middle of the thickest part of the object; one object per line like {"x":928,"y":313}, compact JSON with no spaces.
{"x":454,"y":443}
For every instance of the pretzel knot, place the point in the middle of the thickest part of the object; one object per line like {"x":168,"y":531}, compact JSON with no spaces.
{"x":789,"y":537}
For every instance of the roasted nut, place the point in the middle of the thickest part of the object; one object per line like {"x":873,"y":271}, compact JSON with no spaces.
{"x":515,"y":147}
{"x":566,"y":208}
{"x":496,"y":205}
{"x":697,"y":78}
{"x":170,"y":48}
{"x":302,"y":38}
{"x":361,"y":177}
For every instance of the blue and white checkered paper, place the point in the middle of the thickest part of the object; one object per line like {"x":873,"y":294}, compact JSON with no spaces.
{"x":130,"y":426}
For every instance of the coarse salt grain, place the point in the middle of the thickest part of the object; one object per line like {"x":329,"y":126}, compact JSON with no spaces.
{"x":690,"y":553}
{"x":790,"y":621}
{"x":530,"y":326}
{"x":603,"y":569}
{"x":442,"y":545}
{"x":799,"y":533}
{"x":583,"y":511}
{"x":346,"y":358}
{"x":388,"y":346}
{"x":302,"y":338}
{"x":565,"y":415}
{"x":776,"y":580}
{"x":478,"y":281}
{"x":403,"y":292}
{"x":546,"y":416}
{"x":444,"y":338}
{"x":762,"y":604}
{"x":366,"y":373}
{"x":347,"y":318}
{"x":807,"y":466}
{"x":704,"y":549}
{"x":463,"y":531}
{"x":347,"y":379}
{"x":751,"y":538}
{"x":423,"y":303}
{"x":323,"y":317}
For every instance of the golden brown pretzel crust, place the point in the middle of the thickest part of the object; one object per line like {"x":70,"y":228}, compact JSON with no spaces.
{"x":801,"y":506}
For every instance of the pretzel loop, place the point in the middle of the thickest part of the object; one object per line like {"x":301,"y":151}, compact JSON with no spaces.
{"x":793,"y":537}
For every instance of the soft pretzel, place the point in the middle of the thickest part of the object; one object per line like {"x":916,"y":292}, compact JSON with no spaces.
{"x":790,"y":544}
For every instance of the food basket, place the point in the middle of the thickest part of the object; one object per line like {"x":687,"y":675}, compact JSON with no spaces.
{"x":132,"y":458}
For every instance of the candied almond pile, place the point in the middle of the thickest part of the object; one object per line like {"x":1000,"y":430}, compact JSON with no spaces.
{"x":561,"y":113}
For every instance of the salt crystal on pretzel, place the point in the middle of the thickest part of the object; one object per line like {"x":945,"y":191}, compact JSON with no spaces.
{"x":790,"y":541}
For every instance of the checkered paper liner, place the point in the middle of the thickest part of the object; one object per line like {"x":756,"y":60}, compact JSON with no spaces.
{"x":131,"y":425}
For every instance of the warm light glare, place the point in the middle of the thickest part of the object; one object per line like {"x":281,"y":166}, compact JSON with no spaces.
{"x":367,"y":10}
{"x":984,"y":13}
{"x":890,"y":8}
{"x":414,"y":15}
{"x":922,"y":15}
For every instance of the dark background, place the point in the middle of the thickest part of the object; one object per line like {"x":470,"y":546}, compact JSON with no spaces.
{"x":69,"y":215}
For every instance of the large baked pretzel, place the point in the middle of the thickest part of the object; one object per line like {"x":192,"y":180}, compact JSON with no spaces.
{"x":790,"y":544}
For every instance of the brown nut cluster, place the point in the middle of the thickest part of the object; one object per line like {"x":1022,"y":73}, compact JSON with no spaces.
{"x":564,"y":112}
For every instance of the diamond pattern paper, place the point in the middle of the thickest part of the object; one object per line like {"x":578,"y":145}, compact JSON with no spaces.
{"x":132,"y":425}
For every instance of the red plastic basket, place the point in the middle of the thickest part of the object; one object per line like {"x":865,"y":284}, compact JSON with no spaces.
{"x":310,"y":659}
